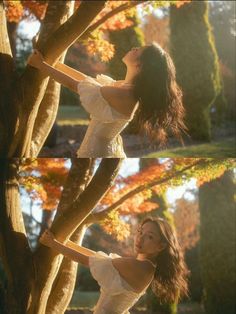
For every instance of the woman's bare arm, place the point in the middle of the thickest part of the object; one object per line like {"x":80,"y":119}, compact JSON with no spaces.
{"x":79,"y":248}
{"x":36,"y":60}
{"x":59,"y":76}
{"x":71,"y":253}
{"x":48,"y":239}
{"x":75,"y":74}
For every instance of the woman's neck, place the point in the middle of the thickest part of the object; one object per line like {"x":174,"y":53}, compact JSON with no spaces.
{"x":130,"y":75}
{"x":144,"y":257}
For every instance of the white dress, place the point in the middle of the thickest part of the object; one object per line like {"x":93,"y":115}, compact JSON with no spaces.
{"x":102,"y":138}
{"x":117,"y":296}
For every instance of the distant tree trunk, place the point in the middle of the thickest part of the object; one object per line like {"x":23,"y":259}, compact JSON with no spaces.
{"x":217,"y":244}
{"x":193,"y":51}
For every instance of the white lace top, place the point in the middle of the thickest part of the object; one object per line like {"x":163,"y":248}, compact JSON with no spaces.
{"x":117,"y":296}
{"x":102,"y":138}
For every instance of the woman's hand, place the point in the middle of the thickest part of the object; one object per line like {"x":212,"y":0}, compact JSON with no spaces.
{"x":36,"y":59}
{"x":47,"y":238}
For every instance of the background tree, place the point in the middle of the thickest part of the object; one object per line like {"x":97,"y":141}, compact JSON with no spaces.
{"x":217,"y":207}
{"x":222,"y":18}
{"x":193,"y":50}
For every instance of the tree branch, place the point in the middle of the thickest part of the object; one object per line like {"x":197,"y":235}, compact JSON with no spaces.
{"x":110,"y":14}
{"x":68,"y":32}
{"x":67,"y":222}
{"x":103,"y":214}
{"x":76,"y":182}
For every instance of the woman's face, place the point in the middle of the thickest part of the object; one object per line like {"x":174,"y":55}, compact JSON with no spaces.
{"x":148,"y":239}
{"x":132,"y":58}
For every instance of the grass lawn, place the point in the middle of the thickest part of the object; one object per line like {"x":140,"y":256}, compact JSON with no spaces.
{"x":226,"y":148}
{"x":72,"y":115}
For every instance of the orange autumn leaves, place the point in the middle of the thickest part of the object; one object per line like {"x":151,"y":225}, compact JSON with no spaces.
{"x":17,"y":10}
{"x":43,"y":179}
{"x":98,"y":44}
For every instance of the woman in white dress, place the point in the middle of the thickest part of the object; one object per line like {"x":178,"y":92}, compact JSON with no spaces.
{"x":158,"y":262}
{"x":149,"y":91}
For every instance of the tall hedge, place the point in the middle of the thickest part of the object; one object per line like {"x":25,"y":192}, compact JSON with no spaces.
{"x":193,"y":50}
{"x":217,"y":244}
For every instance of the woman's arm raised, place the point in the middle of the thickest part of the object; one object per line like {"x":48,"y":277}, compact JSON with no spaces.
{"x":36,"y":60}
{"x":48,"y":239}
{"x":79,"y":248}
{"x":75,"y":74}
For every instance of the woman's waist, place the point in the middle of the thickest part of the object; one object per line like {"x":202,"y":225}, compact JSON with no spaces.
{"x":105,"y":130}
{"x":96,"y":146}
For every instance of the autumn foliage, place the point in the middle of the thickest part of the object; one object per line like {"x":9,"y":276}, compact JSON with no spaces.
{"x":120,"y":13}
{"x":44,"y":178}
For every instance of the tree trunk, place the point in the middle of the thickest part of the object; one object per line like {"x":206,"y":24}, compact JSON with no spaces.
{"x":65,"y":224}
{"x":197,"y":67}
{"x":15,"y":251}
{"x":8,"y":112}
{"x":217,"y":244}
{"x":21,"y":97}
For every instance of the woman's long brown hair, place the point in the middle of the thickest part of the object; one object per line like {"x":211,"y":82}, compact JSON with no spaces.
{"x":160,"y":110}
{"x":170,"y":278}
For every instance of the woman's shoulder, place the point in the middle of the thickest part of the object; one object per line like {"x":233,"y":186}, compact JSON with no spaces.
{"x":131,"y":262}
{"x":121,"y":99}
{"x":137,"y":273}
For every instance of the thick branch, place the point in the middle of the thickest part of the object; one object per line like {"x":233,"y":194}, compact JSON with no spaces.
{"x":101,"y":215}
{"x":110,"y":14}
{"x":68,"y":33}
{"x":67,"y":222}
{"x":76,"y":182}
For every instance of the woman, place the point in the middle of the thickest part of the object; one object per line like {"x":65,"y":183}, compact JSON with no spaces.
{"x":123,"y":280}
{"x":149,"y":92}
